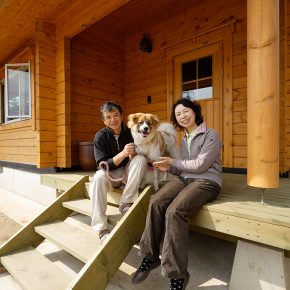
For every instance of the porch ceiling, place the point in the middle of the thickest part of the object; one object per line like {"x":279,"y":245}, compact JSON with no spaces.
{"x":139,"y":14}
{"x":18,"y":18}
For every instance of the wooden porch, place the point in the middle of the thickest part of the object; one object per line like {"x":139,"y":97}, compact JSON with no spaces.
{"x":237,"y":213}
{"x":262,"y":232}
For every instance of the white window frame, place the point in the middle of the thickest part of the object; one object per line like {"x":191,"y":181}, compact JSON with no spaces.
{"x":2,"y":92}
{"x":9,"y":119}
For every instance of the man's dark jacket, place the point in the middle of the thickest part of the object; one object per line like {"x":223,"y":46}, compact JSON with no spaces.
{"x":106,"y":145}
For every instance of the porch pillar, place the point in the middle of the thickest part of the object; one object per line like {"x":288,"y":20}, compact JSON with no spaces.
{"x":263,"y":93}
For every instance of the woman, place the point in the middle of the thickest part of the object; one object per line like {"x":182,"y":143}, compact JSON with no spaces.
{"x":198,"y":181}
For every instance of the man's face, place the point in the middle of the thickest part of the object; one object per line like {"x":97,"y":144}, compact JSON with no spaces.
{"x":113,"y":120}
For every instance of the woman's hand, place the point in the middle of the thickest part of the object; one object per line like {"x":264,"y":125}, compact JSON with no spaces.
{"x":163,"y":164}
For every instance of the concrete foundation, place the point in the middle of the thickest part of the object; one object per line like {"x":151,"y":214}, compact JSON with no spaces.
{"x":26,"y":184}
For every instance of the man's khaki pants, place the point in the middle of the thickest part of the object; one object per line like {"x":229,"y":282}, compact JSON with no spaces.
{"x":100,"y":185}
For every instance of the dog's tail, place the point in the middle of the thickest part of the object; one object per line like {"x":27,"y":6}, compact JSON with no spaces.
{"x":168,"y":128}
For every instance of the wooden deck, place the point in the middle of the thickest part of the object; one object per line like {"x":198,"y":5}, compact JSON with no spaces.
{"x":237,"y":213}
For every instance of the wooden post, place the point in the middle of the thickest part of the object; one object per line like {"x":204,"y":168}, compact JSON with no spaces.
{"x":263,"y":93}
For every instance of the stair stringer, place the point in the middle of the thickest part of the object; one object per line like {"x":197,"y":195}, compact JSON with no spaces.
{"x":27,"y":237}
{"x":100,"y":269}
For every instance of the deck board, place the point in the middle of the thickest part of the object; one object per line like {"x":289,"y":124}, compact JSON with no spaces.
{"x":238,"y":212}
{"x":34,"y":271}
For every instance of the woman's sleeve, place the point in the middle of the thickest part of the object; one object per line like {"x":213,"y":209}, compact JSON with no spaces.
{"x":209,"y":152}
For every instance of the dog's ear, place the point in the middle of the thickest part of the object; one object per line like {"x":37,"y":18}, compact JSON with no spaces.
{"x":155,"y":120}
{"x":132,"y":119}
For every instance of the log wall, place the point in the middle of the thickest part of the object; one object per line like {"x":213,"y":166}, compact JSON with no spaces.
{"x":18,"y":139}
{"x":63,"y":102}
{"x":97,"y":75}
{"x":45,"y":97}
{"x":287,"y":81}
{"x":103,"y":62}
{"x":146,"y":75}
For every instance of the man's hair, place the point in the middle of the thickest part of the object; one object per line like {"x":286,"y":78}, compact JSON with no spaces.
{"x":109,"y":106}
{"x":193,"y":105}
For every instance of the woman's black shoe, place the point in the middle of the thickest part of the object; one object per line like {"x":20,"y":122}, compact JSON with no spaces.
{"x":144,"y":270}
{"x":179,"y":284}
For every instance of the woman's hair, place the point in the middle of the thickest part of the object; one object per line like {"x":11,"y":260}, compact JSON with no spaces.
{"x":109,"y":106}
{"x":193,"y":105}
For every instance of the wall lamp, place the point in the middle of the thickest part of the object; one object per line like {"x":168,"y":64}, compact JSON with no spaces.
{"x":145,"y":44}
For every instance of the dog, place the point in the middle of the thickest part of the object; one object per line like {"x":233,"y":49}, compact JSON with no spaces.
{"x":153,"y":139}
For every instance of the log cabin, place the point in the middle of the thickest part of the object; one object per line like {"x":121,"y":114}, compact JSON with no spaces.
{"x":59,"y":60}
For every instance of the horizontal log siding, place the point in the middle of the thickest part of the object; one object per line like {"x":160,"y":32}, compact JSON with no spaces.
{"x":146,"y":75}
{"x":104,"y":65}
{"x":18,"y":139}
{"x":18,"y":142}
{"x":240,"y":93}
{"x":282,"y":91}
{"x":63,"y":103}
{"x":97,"y":75}
{"x":45,"y":94}
{"x":287,"y":86}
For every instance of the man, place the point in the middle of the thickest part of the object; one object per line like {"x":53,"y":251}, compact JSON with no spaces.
{"x":114,"y":146}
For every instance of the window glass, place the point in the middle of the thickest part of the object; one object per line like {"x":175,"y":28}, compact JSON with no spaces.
{"x":189,"y":71}
{"x":197,"y":79}
{"x":205,"y":67}
{"x":17,"y":91}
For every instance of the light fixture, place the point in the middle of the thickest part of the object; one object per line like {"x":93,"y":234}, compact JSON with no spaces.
{"x":145,"y":44}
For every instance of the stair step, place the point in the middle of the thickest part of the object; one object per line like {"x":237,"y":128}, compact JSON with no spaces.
{"x":33,"y":271}
{"x":80,"y":244}
{"x":83,"y":206}
{"x":114,"y":195}
{"x":61,"y":181}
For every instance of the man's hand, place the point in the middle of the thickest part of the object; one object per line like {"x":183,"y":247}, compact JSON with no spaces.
{"x":129,"y":150}
{"x":163,"y":164}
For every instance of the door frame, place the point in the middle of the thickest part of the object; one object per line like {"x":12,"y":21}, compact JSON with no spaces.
{"x":216,"y":51}
{"x":222,"y":37}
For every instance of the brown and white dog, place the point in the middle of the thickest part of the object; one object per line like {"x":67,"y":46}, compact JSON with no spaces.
{"x":153,"y":139}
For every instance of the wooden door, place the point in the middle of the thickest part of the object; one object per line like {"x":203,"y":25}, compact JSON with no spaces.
{"x":197,"y":74}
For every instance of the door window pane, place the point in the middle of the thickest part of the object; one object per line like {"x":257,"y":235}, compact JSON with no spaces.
{"x":197,"y":79}
{"x":205,"y":67}
{"x":189,"y":71}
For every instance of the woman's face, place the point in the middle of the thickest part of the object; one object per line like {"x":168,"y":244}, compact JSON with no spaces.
{"x":185,"y":117}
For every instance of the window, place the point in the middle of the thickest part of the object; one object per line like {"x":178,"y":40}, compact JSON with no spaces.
{"x":2,"y":91}
{"x":197,"y":78}
{"x":17,"y":92}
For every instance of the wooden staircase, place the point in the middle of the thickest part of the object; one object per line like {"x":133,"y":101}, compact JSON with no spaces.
{"x":34,"y":271}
